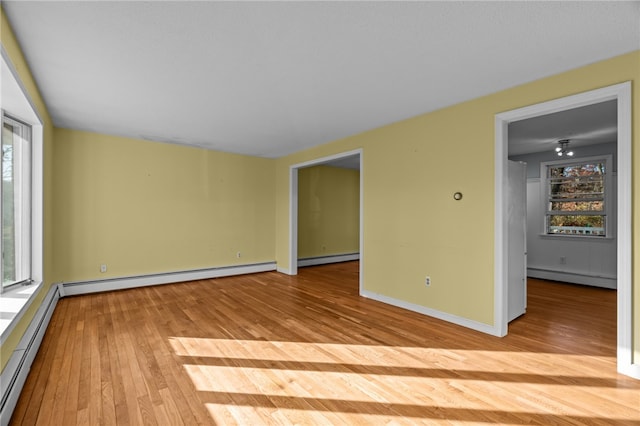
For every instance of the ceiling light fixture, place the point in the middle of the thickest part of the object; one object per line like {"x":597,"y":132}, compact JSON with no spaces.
{"x":563,"y":149}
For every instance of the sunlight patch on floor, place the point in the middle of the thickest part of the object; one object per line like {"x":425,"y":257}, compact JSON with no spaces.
{"x":389,"y":389}
{"x":246,"y":379}
{"x":396,"y":356}
{"x":246,"y":415}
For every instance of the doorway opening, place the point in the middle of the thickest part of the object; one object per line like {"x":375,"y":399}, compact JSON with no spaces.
{"x":621,"y":93}
{"x":351,"y":159}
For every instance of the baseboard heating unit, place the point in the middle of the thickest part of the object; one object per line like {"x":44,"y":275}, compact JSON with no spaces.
{"x":323,"y":260}
{"x":15,"y":372}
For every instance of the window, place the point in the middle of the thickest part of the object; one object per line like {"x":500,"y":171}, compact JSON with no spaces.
{"x":576,"y":196}
{"x":16,"y":202}
{"x":21,"y":199}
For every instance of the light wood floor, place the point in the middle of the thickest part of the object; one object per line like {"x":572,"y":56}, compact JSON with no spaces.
{"x":272,"y":349}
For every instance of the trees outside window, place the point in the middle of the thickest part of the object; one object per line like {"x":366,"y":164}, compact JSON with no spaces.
{"x":576,"y":197}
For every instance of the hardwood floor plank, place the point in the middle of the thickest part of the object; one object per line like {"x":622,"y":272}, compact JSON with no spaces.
{"x":91,"y":397}
{"x":114,"y":406}
{"x":58,"y":379}
{"x":272,"y":349}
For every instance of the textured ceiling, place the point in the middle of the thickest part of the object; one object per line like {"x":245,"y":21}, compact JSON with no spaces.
{"x":271,"y":78}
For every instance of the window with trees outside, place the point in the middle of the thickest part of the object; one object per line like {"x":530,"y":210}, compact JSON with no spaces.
{"x":576,"y":197}
{"x":16,"y":202}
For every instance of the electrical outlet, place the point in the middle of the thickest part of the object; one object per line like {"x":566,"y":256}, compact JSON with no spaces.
{"x":238,"y":254}
{"x":103,"y":268}
{"x":563,"y":260}
{"x":427,"y":281}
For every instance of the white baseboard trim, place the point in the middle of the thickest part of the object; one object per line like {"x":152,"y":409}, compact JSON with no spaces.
{"x":323,"y":260}
{"x":284,"y":270}
{"x":15,"y":372}
{"x":573,"y":277}
{"x":95,"y":286}
{"x":464,"y":322}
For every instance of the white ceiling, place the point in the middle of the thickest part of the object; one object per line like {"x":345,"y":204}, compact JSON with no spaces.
{"x":587,"y":125}
{"x":271,"y":78}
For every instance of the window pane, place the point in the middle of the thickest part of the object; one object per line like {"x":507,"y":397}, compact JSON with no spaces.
{"x":576,"y":224}
{"x":577,"y":170}
{"x":8,"y":210}
{"x":16,"y":202}
{"x":577,"y":206}
{"x":576,"y":198}
{"x":577,"y":188}
{"x":585,"y":181}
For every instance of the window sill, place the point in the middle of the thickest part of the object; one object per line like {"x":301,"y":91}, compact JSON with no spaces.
{"x":13,"y":304}
{"x":575,"y":237}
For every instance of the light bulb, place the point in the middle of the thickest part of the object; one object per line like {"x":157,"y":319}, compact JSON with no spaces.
{"x":570,"y":153}
{"x":558,"y":149}
{"x":559,"y":153}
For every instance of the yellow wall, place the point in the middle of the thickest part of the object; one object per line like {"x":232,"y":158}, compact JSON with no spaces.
{"x":144,"y":207}
{"x":328,"y":211}
{"x":15,"y":57}
{"x":412,"y":225}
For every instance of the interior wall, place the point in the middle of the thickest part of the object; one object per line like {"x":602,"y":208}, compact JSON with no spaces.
{"x":143,"y":207}
{"x":15,"y":57}
{"x":328,"y":211}
{"x":412,"y":225}
{"x":579,"y":260}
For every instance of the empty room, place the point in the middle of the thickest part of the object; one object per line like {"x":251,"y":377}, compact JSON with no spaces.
{"x":220,"y":212}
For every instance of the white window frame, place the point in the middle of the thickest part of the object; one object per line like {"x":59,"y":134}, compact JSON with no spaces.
{"x":23,"y":191}
{"x":608,"y":191}
{"x":16,"y":102}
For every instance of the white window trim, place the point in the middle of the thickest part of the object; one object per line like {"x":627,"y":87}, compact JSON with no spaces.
{"x":608,"y":188}
{"x":17,"y":103}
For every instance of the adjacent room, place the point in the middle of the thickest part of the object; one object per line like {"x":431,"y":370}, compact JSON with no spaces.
{"x":583,"y":215}
{"x":220,"y":212}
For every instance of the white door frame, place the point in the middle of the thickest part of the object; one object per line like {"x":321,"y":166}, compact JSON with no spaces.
{"x":293,"y":209}
{"x":622,"y":93}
